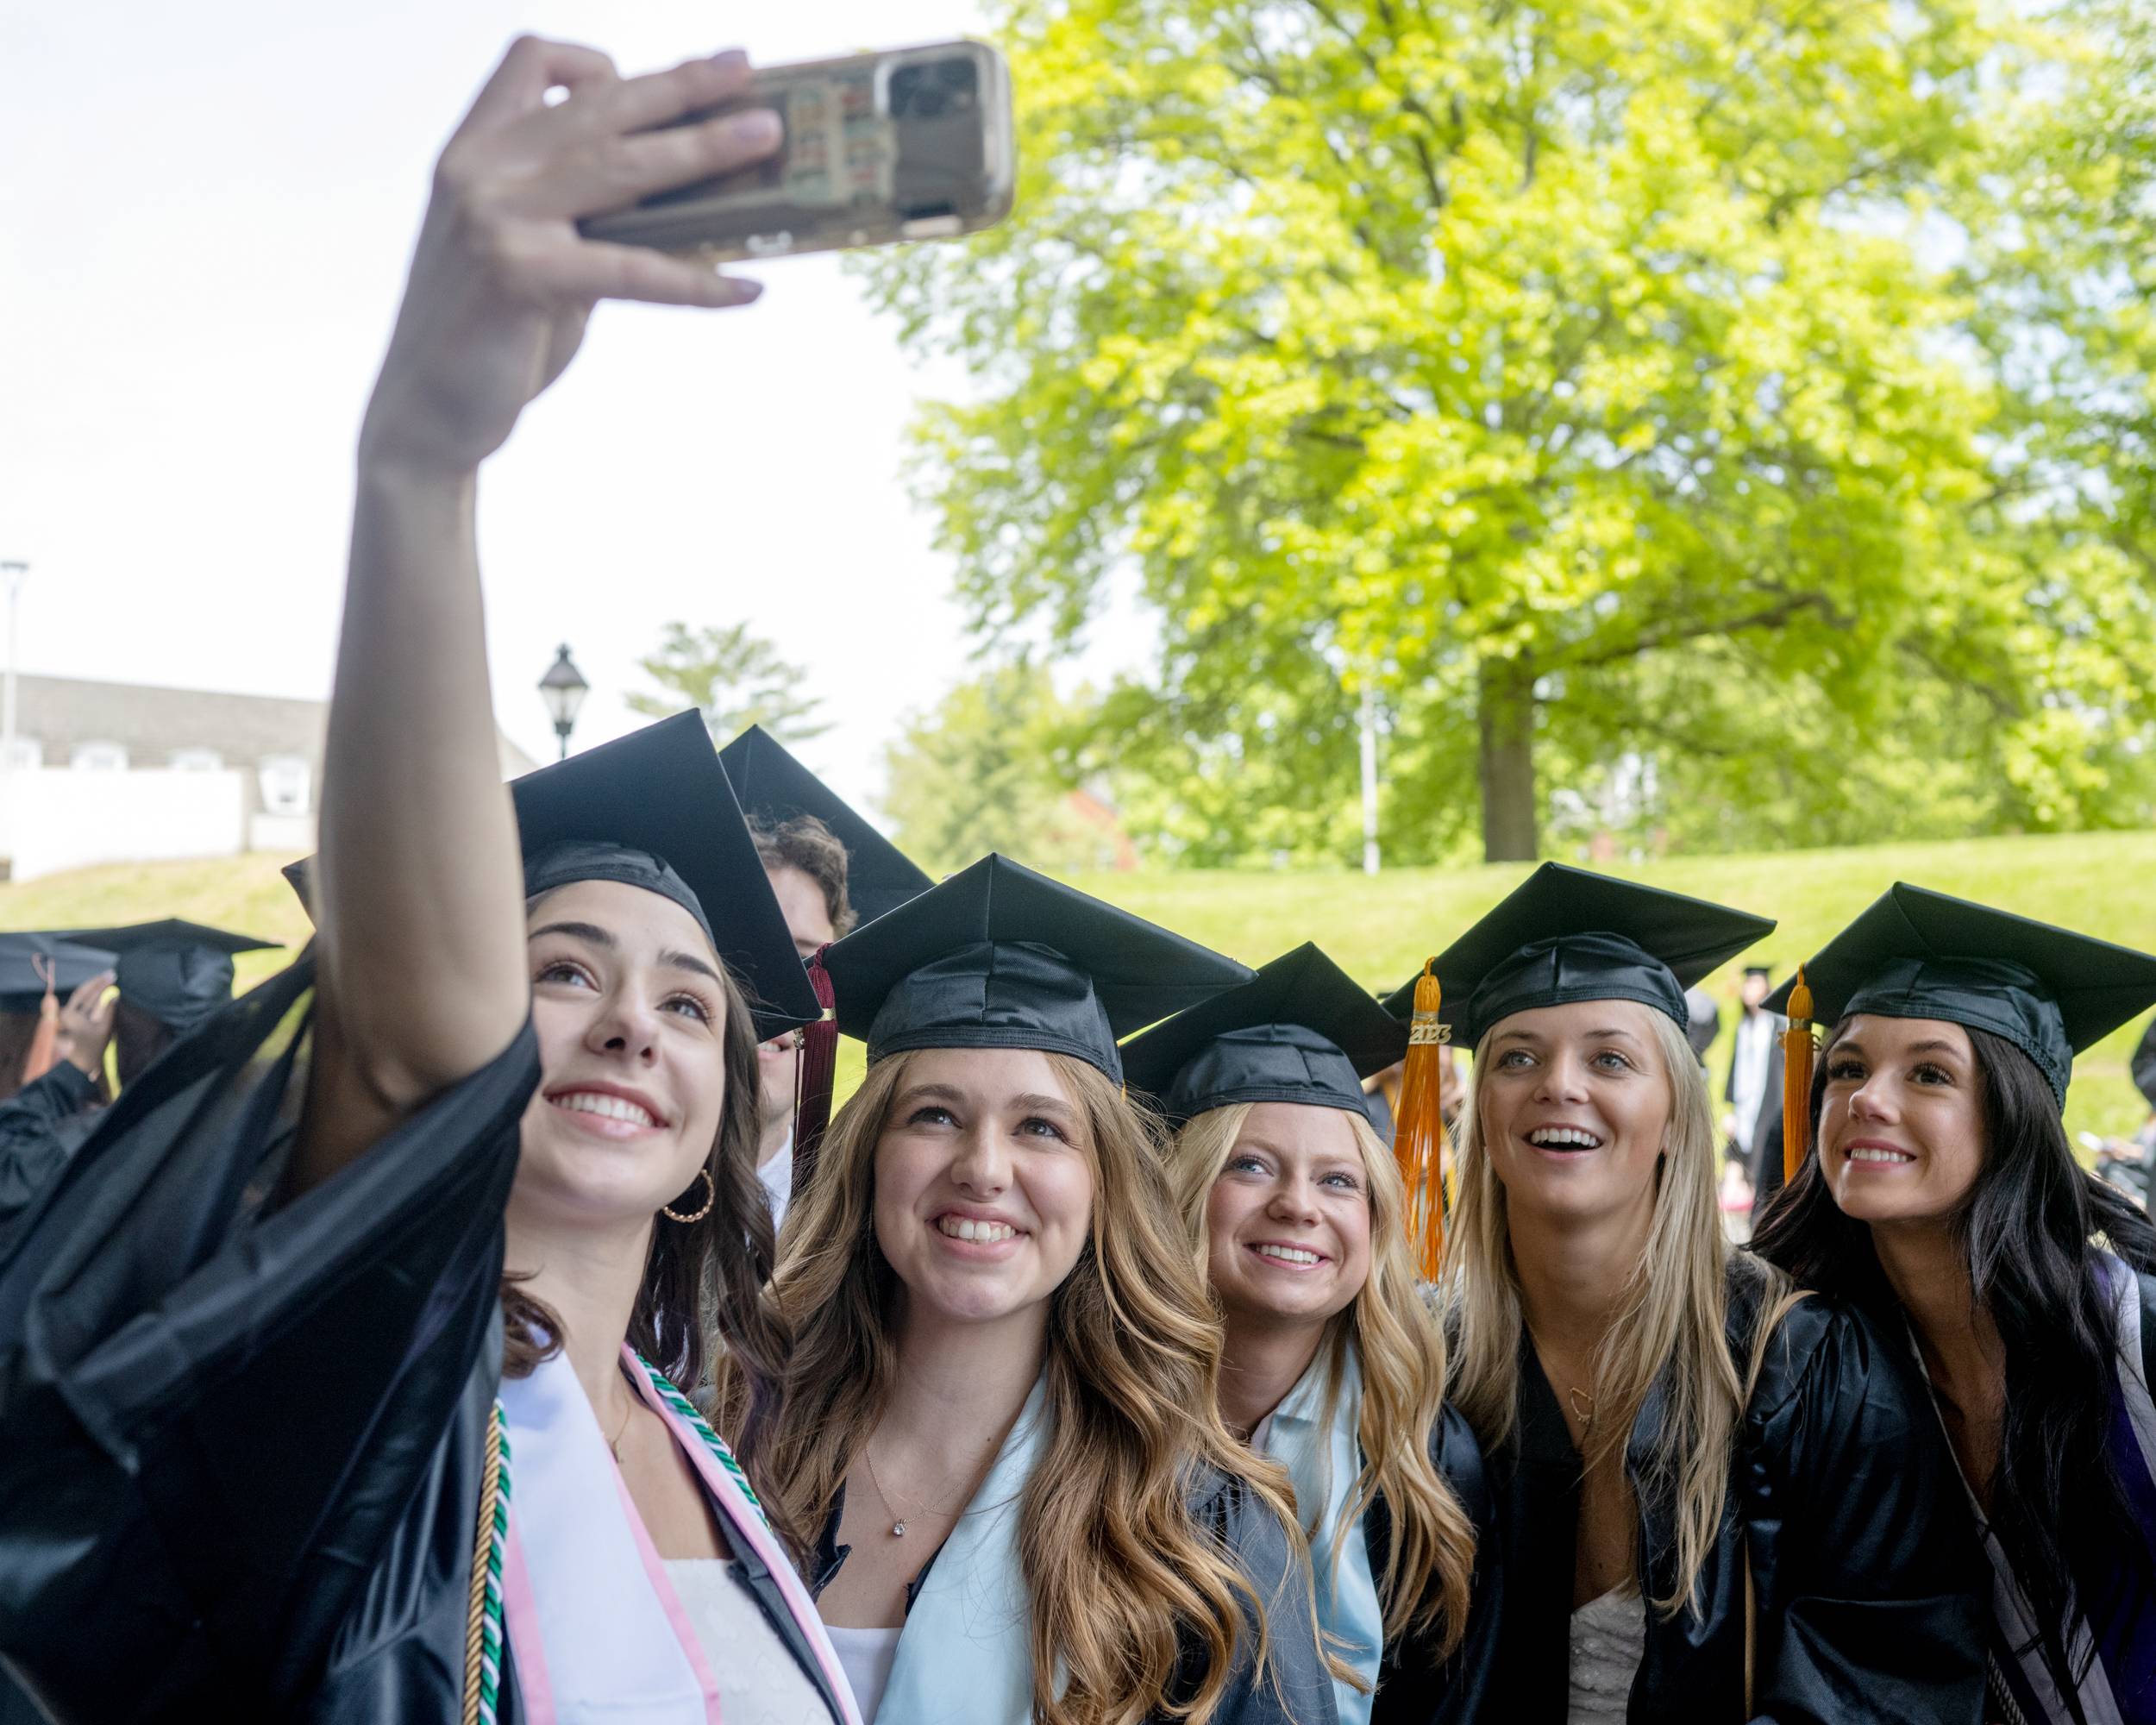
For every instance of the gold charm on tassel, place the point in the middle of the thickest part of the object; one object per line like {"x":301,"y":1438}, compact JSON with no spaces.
{"x":1796,"y":1081}
{"x":1419,"y":1135}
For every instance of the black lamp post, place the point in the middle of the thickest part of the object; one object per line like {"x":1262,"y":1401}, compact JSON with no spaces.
{"x":563,"y":689}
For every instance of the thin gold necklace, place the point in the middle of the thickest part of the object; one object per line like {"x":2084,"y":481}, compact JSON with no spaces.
{"x":614,"y":1442}
{"x":897,"y":1521}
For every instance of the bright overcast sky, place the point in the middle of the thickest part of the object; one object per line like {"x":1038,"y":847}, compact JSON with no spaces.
{"x":207,"y":216}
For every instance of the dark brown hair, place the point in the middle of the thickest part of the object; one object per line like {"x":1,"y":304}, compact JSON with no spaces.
{"x":716,"y":1271}
{"x":805,"y":843}
{"x":2027,"y":1231}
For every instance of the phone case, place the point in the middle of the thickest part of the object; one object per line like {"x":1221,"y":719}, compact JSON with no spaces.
{"x":909,"y":144}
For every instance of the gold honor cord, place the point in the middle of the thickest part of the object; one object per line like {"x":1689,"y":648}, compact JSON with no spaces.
{"x":1796,"y":1081}
{"x":1418,"y":1132}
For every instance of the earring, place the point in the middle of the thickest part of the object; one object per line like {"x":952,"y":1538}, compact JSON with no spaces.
{"x":711,"y":1197}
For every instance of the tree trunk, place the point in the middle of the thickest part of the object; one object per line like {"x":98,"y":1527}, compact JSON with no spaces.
{"x":1505,"y":717}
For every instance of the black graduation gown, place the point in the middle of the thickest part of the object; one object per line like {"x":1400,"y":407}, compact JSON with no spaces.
{"x":40,"y":1125}
{"x":1412,"y":1688}
{"x":1866,"y":1578}
{"x":1297,"y":1689}
{"x":243,"y":1443}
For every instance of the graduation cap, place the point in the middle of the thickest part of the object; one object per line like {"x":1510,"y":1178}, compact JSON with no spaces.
{"x":1917,"y":954}
{"x":654,"y":810}
{"x":177,"y":971}
{"x":1565,"y":934}
{"x":998,"y":957}
{"x":74,"y":963}
{"x":772,"y":786}
{"x":1300,"y":1031}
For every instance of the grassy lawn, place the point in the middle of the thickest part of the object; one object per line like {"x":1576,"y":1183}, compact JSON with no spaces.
{"x":1381,"y":929}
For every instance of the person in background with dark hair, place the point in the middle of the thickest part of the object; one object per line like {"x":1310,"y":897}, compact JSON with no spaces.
{"x":1754,"y":1085}
{"x":1943,"y":1191}
{"x":806,"y":867}
{"x":830,"y":869}
{"x":337,"y":1371}
{"x":44,"y":1121}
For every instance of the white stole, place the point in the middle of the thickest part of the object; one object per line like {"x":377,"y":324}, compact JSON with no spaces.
{"x":594,"y":1626}
{"x":1323,"y":1459}
{"x":965,"y":1656}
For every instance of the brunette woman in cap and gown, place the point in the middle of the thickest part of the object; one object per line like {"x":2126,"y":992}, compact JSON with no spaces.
{"x":1333,"y":1363}
{"x":1000,"y":1411}
{"x":1715,"y":1502}
{"x":337,"y":1368}
{"x":830,"y":869}
{"x":173,"y":976}
{"x":1943,"y":1196}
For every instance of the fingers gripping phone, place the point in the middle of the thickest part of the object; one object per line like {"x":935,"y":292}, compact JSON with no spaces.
{"x":910,"y":144}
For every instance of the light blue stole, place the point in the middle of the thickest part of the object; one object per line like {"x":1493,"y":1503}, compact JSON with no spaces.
{"x":1323,"y":1458}
{"x":965,"y":1657}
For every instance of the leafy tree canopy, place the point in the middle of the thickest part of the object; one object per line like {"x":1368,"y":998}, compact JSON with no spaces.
{"x":733,"y":677}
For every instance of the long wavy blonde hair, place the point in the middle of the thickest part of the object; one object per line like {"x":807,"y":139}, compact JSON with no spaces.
{"x":1117,"y":1564}
{"x":1429,"y":1569}
{"x":1672,"y":1317}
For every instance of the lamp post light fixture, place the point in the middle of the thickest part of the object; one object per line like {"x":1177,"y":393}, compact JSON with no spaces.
{"x":563,"y":689}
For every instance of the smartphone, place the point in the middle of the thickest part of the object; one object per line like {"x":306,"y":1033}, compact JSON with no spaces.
{"x":910,"y":144}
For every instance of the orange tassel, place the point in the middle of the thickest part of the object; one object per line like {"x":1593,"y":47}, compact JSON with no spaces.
{"x":1419,"y":1135}
{"x":1796,"y":1081}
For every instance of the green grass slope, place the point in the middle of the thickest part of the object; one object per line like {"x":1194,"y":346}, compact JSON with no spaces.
{"x":1383,"y":928}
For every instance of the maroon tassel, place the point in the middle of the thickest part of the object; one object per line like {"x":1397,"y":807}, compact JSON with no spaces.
{"x":813,"y":1076}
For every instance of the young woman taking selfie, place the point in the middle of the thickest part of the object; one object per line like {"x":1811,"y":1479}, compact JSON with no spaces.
{"x":339,"y":1369}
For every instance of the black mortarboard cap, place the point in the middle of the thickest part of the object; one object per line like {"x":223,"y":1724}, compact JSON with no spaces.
{"x":1302,"y":1031}
{"x":178,"y":972}
{"x":1565,"y":934}
{"x":1917,"y":954}
{"x":22,"y":988}
{"x":998,"y":957}
{"x":660,"y":799}
{"x":654,"y":810}
{"x":773,"y":788}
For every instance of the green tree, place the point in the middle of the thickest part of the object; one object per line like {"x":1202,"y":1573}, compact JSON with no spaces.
{"x":1527,"y":364}
{"x":987,"y":768}
{"x":734,"y":679}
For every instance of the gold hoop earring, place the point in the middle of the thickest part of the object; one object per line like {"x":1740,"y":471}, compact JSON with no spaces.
{"x":711,"y":1197}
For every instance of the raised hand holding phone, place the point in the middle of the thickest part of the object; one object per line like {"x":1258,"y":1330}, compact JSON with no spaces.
{"x":502,"y":283}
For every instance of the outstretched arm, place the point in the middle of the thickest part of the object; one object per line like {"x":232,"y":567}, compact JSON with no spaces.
{"x":422,"y":974}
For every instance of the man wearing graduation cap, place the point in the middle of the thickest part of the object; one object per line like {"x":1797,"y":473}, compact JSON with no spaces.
{"x":1712,"y":1504}
{"x":1943,"y":1194}
{"x":828,"y":869}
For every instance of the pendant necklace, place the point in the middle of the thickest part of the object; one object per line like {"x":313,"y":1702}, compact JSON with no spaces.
{"x":897,"y":1521}
{"x":1582,"y":1405}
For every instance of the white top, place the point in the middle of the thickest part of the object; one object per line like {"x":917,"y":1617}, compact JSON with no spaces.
{"x":1748,"y":1071}
{"x":865,"y":1655}
{"x":1609,"y":1639}
{"x":760,"y":1682}
{"x":777,"y":1176}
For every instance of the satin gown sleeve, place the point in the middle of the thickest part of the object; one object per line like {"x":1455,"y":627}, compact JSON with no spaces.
{"x":38,"y":1125}
{"x":213,"y":1406}
{"x":1867,"y":1573}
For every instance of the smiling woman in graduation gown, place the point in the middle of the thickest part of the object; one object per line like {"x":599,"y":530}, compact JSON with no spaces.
{"x":1000,"y":1411}
{"x":1717,"y":1500}
{"x":1333,"y":1363}
{"x":337,"y":1368}
{"x":1944,"y":1198}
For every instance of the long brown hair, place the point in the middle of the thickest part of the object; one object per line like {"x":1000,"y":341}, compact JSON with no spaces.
{"x":1117,"y":1565}
{"x":1429,"y":1569}
{"x":712,"y":1275}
